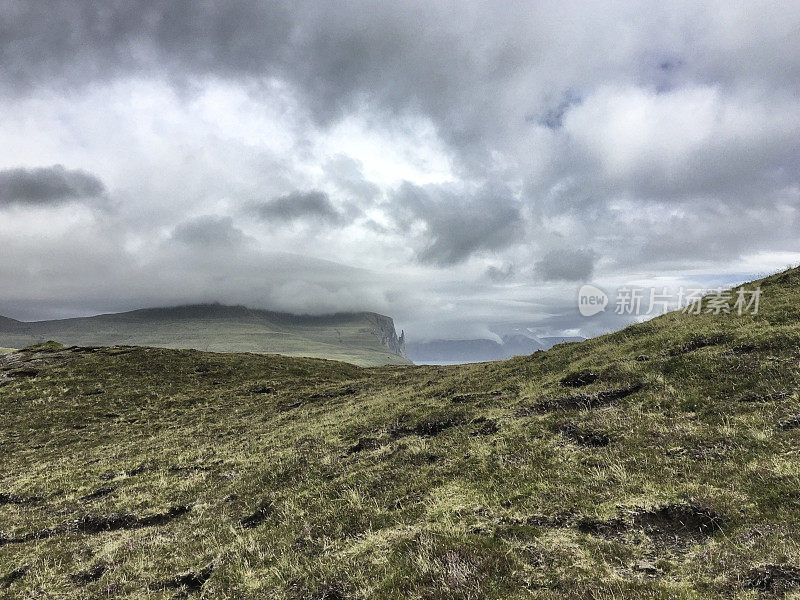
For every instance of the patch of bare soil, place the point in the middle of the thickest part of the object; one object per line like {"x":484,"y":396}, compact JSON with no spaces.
{"x":678,"y":525}
{"x":16,"y":574}
{"x":789,"y":424}
{"x":586,"y":401}
{"x":98,"y":493}
{"x":579,"y":378}
{"x":93,"y":524}
{"x":763,"y":397}
{"x":430,"y":425}
{"x":261,"y":514}
{"x":773,"y":579}
{"x":93,"y":573}
{"x":696,"y":344}
{"x":583,"y":436}
{"x":191,"y":581}
{"x":485,"y":426}
{"x":14,"y":499}
{"x":364,"y":443}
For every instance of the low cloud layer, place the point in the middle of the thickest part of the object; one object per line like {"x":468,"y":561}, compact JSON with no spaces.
{"x":47,"y":185}
{"x":461,"y":166}
{"x":299,"y":206}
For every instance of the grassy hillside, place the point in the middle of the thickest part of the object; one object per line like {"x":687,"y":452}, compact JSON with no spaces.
{"x":658,"y":462}
{"x":350,"y":337}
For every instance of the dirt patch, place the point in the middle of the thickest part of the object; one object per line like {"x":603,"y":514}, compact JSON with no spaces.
{"x":346,"y":391}
{"x":333,"y":591}
{"x":23,"y":373}
{"x":428,"y":426}
{"x":773,"y":579}
{"x":740,"y":350}
{"x":261,"y":514}
{"x":609,"y":529}
{"x":91,"y":574}
{"x":485,"y":426}
{"x":582,"y":436}
{"x":671,"y":527}
{"x":138,"y":470}
{"x":261,"y":389}
{"x":14,"y":499}
{"x":579,"y":378}
{"x":364,"y":443}
{"x":300,"y":590}
{"x":678,"y":525}
{"x":469,"y":397}
{"x":15,"y":575}
{"x":587,"y":401}
{"x":99,"y":493}
{"x":92,"y":524}
{"x":191,"y":581}
{"x":696,"y":344}
{"x":762,"y":397}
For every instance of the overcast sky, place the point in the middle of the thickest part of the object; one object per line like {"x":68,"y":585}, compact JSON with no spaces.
{"x":460,"y":166}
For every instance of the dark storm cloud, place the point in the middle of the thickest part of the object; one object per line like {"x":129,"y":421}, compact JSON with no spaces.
{"x":458,"y":225}
{"x":476,"y":71}
{"x":566,"y":265}
{"x":300,"y":206}
{"x":47,"y":185}
{"x":71,"y":43}
{"x":208,"y":231}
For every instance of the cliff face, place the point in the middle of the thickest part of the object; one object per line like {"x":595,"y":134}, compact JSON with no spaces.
{"x":383,"y":329}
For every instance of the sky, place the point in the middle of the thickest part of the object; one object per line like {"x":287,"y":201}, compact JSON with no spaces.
{"x":464,"y":167}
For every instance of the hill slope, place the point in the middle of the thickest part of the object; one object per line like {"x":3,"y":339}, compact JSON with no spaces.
{"x":361,"y":338}
{"x":450,"y":352}
{"x":658,"y":462}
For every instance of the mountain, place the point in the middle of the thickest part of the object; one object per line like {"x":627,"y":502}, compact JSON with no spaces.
{"x":658,"y":462}
{"x":449,"y":352}
{"x":362,"y":338}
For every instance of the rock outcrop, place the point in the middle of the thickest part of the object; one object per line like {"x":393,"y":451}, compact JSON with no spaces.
{"x":383,"y":329}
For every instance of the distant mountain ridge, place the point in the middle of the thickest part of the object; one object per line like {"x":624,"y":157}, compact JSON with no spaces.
{"x":481,"y":350}
{"x":364,"y":338}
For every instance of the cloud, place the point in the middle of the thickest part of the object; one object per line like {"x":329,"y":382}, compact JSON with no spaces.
{"x":662,"y":138}
{"x":208,"y":231}
{"x":300,"y":206}
{"x":347,"y":174}
{"x":500,"y":274}
{"x":566,"y":265}
{"x":458,"y":224}
{"x":47,"y":185}
{"x":689,"y":143}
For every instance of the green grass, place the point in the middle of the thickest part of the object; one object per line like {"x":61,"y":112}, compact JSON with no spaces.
{"x":467,"y":482}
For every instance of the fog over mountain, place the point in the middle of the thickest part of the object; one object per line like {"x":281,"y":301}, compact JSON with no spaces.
{"x":459,"y":166}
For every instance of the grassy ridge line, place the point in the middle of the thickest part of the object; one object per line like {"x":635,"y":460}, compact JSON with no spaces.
{"x":656,"y":462}
{"x":347,"y":337}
